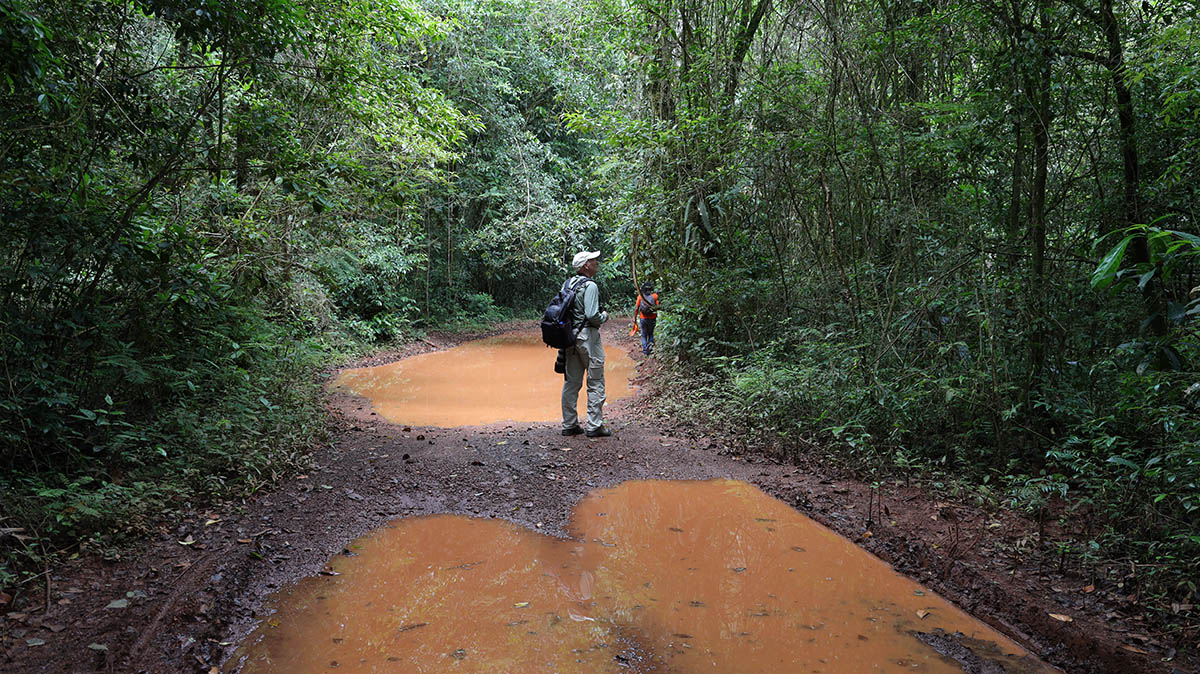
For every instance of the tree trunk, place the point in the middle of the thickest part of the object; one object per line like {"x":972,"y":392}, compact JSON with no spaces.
{"x":1139,"y":250}
{"x":1039,"y":96}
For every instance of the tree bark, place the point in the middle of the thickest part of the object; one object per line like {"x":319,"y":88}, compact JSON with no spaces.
{"x":741,"y":44}
{"x":1039,"y":95}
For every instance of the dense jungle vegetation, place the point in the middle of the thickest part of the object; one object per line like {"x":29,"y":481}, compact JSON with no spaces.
{"x":951,"y":240}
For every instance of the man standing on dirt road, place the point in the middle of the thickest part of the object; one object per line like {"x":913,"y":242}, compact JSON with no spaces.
{"x":588,"y":354}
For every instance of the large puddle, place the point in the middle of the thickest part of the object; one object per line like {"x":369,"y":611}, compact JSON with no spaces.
{"x":504,"y":378}
{"x":662,"y":577}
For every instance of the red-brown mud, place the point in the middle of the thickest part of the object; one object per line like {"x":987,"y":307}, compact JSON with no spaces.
{"x":500,"y":378}
{"x":170,"y":607}
{"x":709,"y":575}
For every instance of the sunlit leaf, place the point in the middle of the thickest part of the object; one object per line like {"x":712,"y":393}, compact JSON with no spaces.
{"x":1106,"y":271}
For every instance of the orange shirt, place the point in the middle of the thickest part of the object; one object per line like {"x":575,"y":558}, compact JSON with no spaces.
{"x":637,"y":307}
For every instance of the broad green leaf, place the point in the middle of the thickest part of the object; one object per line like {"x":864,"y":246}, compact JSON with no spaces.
{"x":1107,"y":270}
{"x":1122,"y":461}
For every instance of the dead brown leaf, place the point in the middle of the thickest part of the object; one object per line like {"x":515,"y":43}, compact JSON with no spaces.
{"x":1135,"y":649}
{"x":1061,"y":618}
{"x":922,"y":613}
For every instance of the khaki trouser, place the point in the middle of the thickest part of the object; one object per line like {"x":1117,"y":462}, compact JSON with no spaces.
{"x":586,"y":356}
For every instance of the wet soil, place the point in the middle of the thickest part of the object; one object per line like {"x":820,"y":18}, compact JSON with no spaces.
{"x":183,"y":600}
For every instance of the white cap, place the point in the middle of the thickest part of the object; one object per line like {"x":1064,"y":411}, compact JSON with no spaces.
{"x":583,"y":256}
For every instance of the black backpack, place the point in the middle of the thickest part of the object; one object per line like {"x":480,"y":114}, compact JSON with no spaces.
{"x":558,"y":329}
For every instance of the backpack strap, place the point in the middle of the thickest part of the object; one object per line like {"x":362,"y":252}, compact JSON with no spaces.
{"x":577,"y":288}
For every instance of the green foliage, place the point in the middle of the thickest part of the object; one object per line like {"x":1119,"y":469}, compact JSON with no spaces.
{"x":172,"y":179}
{"x":520,"y":203}
{"x":873,"y":226}
{"x":868,"y":240}
{"x":201,"y":205}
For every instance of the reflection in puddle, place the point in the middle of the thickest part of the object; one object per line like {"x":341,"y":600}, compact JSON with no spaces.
{"x":504,"y":378}
{"x":665,"y":576}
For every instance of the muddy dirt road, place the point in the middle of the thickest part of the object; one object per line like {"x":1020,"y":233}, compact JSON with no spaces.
{"x":184,"y":601}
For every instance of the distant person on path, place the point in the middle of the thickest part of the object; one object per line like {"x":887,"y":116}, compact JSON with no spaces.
{"x":588,"y":354}
{"x":645,"y":313}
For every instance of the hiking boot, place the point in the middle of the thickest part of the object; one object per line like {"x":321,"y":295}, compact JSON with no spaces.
{"x":601,"y":432}
{"x":574,"y":430}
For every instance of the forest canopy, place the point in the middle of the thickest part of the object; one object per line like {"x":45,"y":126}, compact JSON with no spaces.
{"x":955,"y":241}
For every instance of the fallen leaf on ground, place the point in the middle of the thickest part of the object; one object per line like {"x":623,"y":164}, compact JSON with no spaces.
{"x":245,"y":540}
{"x":210,"y":522}
{"x":35,"y":642}
{"x":98,"y":647}
{"x":1089,"y":589}
{"x":921,"y":613}
{"x":1135,"y":649}
{"x":1061,"y":618}
{"x":5,"y":598}
{"x":521,"y":604}
{"x":187,"y":541}
{"x":118,"y":603}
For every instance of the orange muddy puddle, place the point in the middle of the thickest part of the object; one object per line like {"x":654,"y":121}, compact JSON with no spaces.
{"x":663,"y":577}
{"x":504,"y":378}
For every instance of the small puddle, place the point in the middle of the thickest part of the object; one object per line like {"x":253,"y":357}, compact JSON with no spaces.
{"x":661,"y":577}
{"x":505,"y":378}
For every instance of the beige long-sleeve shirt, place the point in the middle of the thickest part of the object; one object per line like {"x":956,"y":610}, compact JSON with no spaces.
{"x":587,"y":302}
